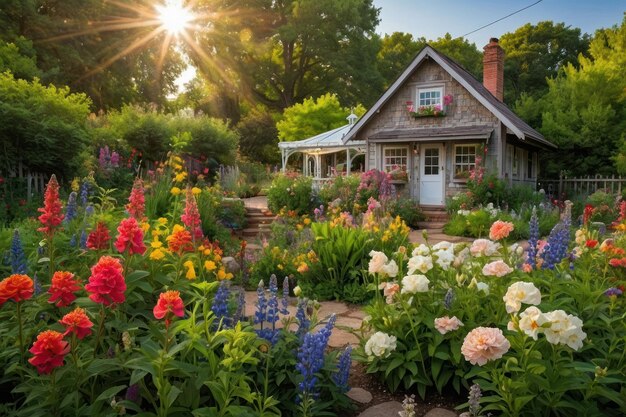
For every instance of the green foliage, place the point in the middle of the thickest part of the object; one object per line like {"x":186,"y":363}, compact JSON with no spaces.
{"x":18,"y":58}
{"x":490,"y":189}
{"x":258,"y":136}
{"x":340,"y":190}
{"x":408,"y":210}
{"x":42,"y":127}
{"x":313,"y":116}
{"x":291,"y":192}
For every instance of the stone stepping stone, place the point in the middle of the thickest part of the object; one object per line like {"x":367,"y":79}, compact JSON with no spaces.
{"x":340,"y":338}
{"x":359,"y":395}
{"x":388,"y":409}
{"x":440,"y":412}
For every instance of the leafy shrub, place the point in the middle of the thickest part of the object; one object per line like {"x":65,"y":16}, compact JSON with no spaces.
{"x":604,"y":207}
{"x":342,"y":189}
{"x":490,"y":190}
{"x":408,"y":210}
{"x":291,"y":192}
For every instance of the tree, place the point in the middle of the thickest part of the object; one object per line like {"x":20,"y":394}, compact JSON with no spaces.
{"x":535,"y":53}
{"x":399,"y":49}
{"x":42,"y":127}
{"x":258,"y":136}
{"x":19,"y":59}
{"x":295,"y":49}
{"x":313,"y":116}
{"x":584,"y":109}
{"x":83,"y":44}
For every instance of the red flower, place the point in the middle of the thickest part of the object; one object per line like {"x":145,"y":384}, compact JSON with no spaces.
{"x":169,"y":304}
{"x":591,"y":243}
{"x":106,"y":283}
{"x":99,"y":238}
{"x":77,"y":322}
{"x":191,"y":216}
{"x":130,"y":237}
{"x":180,"y":240}
{"x":49,"y":350}
{"x":617,"y":262}
{"x":587,"y":214}
{"x":51,"y":216}
{"x":63,"y":287}
{"x":136,"y":201}
{"x":16,"y":287}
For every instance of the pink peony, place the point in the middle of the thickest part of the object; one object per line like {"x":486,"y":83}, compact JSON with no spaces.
{"x":446,"y":324}
{"x":484,"y":344}
{"x":389,"y":290}
{"x":484,"y":247}
{"x":500,"y":230}
{"x":497,"y":268}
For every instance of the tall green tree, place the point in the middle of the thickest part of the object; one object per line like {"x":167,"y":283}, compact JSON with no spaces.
{"x":278,"y":53}
{"x":535,"y":53}
{"x":258,"y":136}
{"x":584,"y":109}
{"x":19,"y":59}
{"x":83,"y":44}
{"x":314,"y":116}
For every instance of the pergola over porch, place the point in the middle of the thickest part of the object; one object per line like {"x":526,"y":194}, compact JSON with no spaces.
{"x":327,"y":143}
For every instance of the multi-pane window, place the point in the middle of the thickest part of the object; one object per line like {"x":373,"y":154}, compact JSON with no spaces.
{"x":464,"y":160}
{"x":395,"y":159}
{"x":430,"y":97}
{"x":431,"y":161}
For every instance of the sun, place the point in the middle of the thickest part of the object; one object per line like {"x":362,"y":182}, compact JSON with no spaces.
{"x":174,"y":16}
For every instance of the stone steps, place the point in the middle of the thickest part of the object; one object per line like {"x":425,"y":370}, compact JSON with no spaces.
{"x":258,"y":223}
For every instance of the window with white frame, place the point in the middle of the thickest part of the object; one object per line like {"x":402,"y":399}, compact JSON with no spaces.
{"x":464,"y":160}
{"x":395,"y":158}
{"x":430,"y":97}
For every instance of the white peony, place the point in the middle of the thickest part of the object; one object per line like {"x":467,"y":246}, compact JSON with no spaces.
{"x":420,"y":263}
{"x":484,"y":247}
{"x":444,"y":258}
{"x":421,"y":250}
{"x":531,"y":320}
{"x":444,"y":245}
{"x":564,"y":329}
{"x":380,"y":345}
{"x":379,"y":259}
{"x":390,"y":269}
{"x":521,"y":292}
{"x":412,"y":284}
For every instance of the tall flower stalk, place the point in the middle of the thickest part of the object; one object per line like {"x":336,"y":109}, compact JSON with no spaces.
{"x":51,"y":217}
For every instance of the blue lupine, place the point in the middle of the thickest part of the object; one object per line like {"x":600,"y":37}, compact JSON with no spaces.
{"x":83,"y":240}
{"x":311,"y":358}
{"x":303,"y":321}
{"x":17,"y":255}
{"x":558,"y":241}
{"x":89,"y":210}
{"x":241,"y":306}
{"x":343,"y":369}
{"x":36,"y":285}
{"x":533,"y":238}
{"x":73,"y":241}
{"x":272,"y":305}
{"x":261,"y":306}
{"x":84,"y":193}
{"x":285,"y":300}
{"x":71,"y":209}
{"x":447,"y":300}
{"x":220,"y":303}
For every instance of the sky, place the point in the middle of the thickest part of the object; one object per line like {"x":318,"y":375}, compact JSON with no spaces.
{"x":433,"y":18}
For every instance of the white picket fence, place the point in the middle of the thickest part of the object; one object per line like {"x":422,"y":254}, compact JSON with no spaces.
{"x":583,"y":185}
{"x":35,"y":181}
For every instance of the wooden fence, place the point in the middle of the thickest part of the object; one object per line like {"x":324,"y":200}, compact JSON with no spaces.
{"x":34,"y":182}
{"x":582,"y":186}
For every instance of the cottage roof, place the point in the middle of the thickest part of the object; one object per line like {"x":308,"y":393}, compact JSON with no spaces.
{"x":446,"y":133}
{"x":516,"y":125}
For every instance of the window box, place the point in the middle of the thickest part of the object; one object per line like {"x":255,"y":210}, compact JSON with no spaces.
{"x":430,"y":103}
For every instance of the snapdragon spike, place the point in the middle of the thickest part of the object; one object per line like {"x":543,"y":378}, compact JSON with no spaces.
{"x":533,"y":239}
{"x":220,"y":303}
{"x":285,"y":300}
{"x":191,"y":216}
{"x":51,"y":216}
{"x":136,"y":206}
{"x":71,"y":209}
{"x":558,"y":240}
{"x":17,"y":255}
{"x":343,"y":369}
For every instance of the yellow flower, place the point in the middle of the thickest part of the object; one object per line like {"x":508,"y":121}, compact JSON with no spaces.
{"x":162,"y":221}
{"x":196,"y":190}
{"x":307,"y":221}
{"x":156,"y":233}
{"x":280,"y":266}
{"x":175,"y":191}
{"x":299,"y":226}
{"x":209,"y":266}
{"x":156,"y":243}
{"x":303,"y":268}
{"x":207,"y":252}
{"x":222,"y":274}
{"x":180,"y":177}
{"x":157,"y":255}
{"x":191,"y":271}
{"x":201,"y":248}
{"x":75,"y":184}
{"x":145,"y":226}
{"x":217,"y":257}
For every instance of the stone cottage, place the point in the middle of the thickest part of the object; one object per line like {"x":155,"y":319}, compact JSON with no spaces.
{"x":436,"y":118}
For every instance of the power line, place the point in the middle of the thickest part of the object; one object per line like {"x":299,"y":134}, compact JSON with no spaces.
{"x":502,"y":18}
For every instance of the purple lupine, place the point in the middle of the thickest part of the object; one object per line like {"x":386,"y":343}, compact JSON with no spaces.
{"x":132,"y":393}
{"x":73,"y":241}
{"x":115,"y":159}
{"x":285,"y":300}
{"x":89,"y":210}
{"x":558,"y":240}
{"x":71,"y":208}
{"x":613,"y":292}
{"x":84,"y":193}
{"x":533,"y":238}
{"x":261,"y":307}
{"x":17,"y":255}
{"x":343,"y":369}
{"x":447,"y":300}
{"x":272,"y":305}
{"x":220,"y":303}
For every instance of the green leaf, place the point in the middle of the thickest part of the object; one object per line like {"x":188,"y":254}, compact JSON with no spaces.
{"x":110,"y":393}
{"x":172,"y":395}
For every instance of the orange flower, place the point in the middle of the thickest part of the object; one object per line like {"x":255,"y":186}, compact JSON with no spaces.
{"x":106,"y":283}
{"x":130,"y":237}
{"x":62,"y":289}
{"x":51,"y":216}
{"x":77,"y":322}
{"x":49,"y":350}
{"x":500,"y":230}
{"x":180,"y":240}
{"x":16,"y":287}
{"x":169,"y":304}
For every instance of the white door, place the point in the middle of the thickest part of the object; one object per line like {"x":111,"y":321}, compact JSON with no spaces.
{"x":431,"y":175}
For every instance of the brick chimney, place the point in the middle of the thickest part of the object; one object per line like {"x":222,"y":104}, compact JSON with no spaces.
{"x":493,"y":68}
